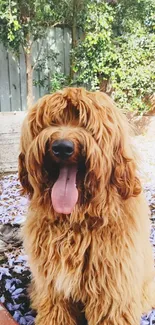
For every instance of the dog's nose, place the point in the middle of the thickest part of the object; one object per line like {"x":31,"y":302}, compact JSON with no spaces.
{"x":63,"y":148}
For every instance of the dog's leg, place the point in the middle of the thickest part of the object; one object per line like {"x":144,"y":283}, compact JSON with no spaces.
{"x":55,"y":310}
{"x":55,"y":314}
{"x":51,"y":309}
{"x":114,"y":316}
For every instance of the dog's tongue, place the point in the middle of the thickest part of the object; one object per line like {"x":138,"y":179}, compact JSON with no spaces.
{"x":64,"y":192}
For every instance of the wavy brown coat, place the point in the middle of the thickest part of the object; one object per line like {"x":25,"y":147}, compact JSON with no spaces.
{"x":94,"y":266}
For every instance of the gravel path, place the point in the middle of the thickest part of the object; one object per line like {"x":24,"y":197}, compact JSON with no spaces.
{"x":14,"y":271}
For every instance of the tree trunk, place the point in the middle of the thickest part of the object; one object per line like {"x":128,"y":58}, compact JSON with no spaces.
{"x":29,"y":72}
{"x":29,"y":79}
{"x":74,"y":36}
{"x":105,"y":86}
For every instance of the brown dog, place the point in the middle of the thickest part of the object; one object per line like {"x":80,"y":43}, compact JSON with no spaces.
{"x":87,"y":229}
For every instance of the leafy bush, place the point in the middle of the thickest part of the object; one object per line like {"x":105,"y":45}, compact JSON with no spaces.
{"x":133,"y":78}
{"x":118,"y":50}
{"x":50,"y":79}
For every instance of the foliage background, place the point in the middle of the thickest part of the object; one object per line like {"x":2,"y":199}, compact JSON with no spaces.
{"x":118,"y":51}
{"x":113,"y":44}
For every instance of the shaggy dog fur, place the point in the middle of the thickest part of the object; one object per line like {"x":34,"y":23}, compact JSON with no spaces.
{"x":93,"y":264}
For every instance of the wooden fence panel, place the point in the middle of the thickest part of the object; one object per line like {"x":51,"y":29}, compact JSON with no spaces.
{"x":14,"y":83}
{"x":35,"y":53}
{"x":51,"y":48}
{"x":5,"y":103}
{"x":44,"y":73}
{"x":67,"y":49}
{"x":59,"y":39}
{"x":22,"y":76}
{"x":13,"y":71}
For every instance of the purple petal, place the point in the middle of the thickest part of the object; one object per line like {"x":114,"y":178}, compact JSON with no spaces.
{"x":17,"y":315}
{"x":22,"y":321}
{"x":17,"y":291}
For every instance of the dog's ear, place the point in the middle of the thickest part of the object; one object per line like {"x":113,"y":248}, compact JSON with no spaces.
{"x":23,"y":175}
{"x":22,"y":170}
{"x":118,"y":137}
{"x":124,"y":174}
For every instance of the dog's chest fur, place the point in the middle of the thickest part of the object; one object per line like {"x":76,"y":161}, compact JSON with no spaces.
{"x":77,"y":261}
{"x":74,"y":252}
{"x":66,"y":282}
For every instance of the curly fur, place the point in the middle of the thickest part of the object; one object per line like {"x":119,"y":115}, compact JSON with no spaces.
{"x":96,"y":264}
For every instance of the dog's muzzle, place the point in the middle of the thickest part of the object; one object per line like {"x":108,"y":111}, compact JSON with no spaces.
{"x":63,"y":149}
